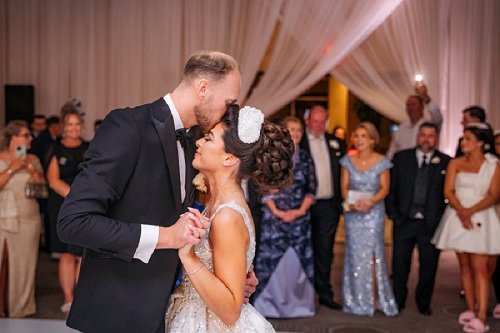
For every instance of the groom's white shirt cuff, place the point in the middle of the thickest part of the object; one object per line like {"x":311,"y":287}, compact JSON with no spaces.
{"x":147,"y":242}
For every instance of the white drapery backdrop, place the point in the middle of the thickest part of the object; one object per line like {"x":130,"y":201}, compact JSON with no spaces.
{"x":454,"y":44}
{"x":114,"y":53}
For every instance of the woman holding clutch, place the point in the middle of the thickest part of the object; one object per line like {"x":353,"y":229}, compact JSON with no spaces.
{"x":365,"y":184}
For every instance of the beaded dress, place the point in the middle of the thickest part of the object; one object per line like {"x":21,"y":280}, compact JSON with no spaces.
{"x":364,"y":248}
{"x":188,"y":313}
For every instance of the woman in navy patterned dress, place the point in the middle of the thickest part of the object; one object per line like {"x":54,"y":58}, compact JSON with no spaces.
{"x":284,"y":264}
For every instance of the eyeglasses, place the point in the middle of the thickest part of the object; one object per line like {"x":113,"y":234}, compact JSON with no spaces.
{"x":26,"y":135}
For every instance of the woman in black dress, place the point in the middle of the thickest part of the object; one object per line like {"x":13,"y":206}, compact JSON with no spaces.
{"x":63,"y":159}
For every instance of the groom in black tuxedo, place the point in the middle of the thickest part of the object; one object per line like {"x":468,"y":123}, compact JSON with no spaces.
{"x":125,"y":204}
{"x":415,"y":204}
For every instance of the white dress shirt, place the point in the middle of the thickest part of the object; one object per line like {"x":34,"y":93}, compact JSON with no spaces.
{"x":406,"y":135}
{"x":322,"y":166}
{"x":150,"y":233}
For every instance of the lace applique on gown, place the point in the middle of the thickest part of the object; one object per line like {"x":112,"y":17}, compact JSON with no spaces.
{"x":188,"y":313}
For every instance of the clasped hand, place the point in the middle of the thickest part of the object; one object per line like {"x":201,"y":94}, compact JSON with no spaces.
{"x":464,"y":214}
{"x":363,"y":205}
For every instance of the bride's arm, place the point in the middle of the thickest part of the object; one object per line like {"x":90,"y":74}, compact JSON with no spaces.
{"x":223,"y":292}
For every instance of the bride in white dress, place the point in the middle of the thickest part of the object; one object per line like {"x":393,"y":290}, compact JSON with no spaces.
{"x":210,"y":297}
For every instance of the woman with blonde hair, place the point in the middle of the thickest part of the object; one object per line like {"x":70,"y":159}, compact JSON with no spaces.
{"x":20,"y":221}
{"x":365,"y":184}
{"x":62,"y":162}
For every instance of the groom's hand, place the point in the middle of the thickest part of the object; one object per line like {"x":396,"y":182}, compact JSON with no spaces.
{"x":189,"y":229}
{"x":251,"y":284}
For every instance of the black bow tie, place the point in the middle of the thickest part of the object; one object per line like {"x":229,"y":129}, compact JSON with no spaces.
{"x":182,"y":136}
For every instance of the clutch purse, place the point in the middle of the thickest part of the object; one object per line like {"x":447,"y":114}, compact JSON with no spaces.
{"x":36,"y":190}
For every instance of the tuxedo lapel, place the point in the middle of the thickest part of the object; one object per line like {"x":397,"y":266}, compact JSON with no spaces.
{"x":166,"y":134}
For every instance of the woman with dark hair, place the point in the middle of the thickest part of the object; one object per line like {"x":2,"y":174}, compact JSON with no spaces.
{"x":212,"y":290}
{"x":20,"y":221}
{"x":470,"y":225}
{"x":285,"y":249}
{"x":62,"y":162}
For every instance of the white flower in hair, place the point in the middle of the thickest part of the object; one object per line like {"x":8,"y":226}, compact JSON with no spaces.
{"x":249,"y":124}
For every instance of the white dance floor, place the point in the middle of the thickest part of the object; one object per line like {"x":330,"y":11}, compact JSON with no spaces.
{"x":27,"y":325}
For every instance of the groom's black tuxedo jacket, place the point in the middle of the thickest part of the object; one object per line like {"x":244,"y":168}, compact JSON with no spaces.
{"x":399,"y":200}
{"x":129,"y":177}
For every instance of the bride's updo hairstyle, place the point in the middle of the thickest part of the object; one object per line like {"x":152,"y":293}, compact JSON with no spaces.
{"x":268,"y":161}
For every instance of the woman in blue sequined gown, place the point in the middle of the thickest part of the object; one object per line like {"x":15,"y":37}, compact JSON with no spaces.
{"x":284,"y":264}
{"x":365,"y":184}
{"x":210,"y":297}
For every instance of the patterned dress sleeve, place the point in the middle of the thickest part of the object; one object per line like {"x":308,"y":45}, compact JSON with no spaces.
{"x":385,"y":164}
{"x":309,"y":173}
{"x":345,"y":161}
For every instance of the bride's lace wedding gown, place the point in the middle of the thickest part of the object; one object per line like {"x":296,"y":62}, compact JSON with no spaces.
{"x":188,"y":313}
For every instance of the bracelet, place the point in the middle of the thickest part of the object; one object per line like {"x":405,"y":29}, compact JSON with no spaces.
{"x":9,"y":171}
{"x":196,"y":270}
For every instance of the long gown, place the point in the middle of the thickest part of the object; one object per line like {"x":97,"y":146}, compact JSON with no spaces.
{"x":470,"y":188}
{"x":285,"y":263}
{"x":188,"y":313}
{"x":20,"y":226}
{"x":364,"y":248}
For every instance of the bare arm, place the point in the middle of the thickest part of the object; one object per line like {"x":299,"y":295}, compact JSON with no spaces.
{"x":223,"y":292}
{"x":53,"y":176}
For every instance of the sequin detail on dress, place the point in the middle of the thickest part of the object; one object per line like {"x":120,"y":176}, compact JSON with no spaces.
{"x":188,"y":313}
{"x":364,"y":248}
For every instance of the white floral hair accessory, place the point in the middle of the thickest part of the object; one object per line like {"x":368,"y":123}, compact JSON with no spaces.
{"x":249,"y":124}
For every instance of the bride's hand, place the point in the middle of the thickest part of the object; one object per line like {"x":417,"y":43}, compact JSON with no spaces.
{"x":186,"y":253}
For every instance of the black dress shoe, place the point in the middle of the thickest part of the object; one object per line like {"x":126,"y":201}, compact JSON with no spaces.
{"x":330,"y":303}
{"x":425,"y":311}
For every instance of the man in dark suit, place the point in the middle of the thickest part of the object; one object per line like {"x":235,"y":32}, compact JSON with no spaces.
{"x":415,"y":204}
{"x":124,"y":206}
{"x":326,"y":151}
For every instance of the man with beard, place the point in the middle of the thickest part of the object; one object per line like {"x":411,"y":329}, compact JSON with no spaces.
{"x":124,"y":206}
{"x":415,"y":204}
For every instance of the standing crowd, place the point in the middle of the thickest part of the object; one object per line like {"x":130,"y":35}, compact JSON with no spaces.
{"x":435,"y":202}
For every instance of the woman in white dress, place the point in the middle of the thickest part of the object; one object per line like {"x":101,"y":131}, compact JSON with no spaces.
{"x":210,"y":297}
{"x":470,"y":225}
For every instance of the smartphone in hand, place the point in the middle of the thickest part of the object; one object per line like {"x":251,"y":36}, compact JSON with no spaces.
{"x":21,"y":152}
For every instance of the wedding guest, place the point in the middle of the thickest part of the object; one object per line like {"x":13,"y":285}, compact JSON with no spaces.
{"x":405,"y":136}
{"x":125,"y":205}
{"x":37,"y":126}
{"x":496,"y":274}
{"x":339,"y":132}
{"x":47,"y":137}
{"x":20,"y":222}
{"x":470,"y":225}
{"x":326,"y":151}
{"x":285,"y":241}
{"x":210,"y":296}
{"x":473,"y":114}
{"x":62,"y":161}
{"x":365,"y":184}
{"x":415,"y":204}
